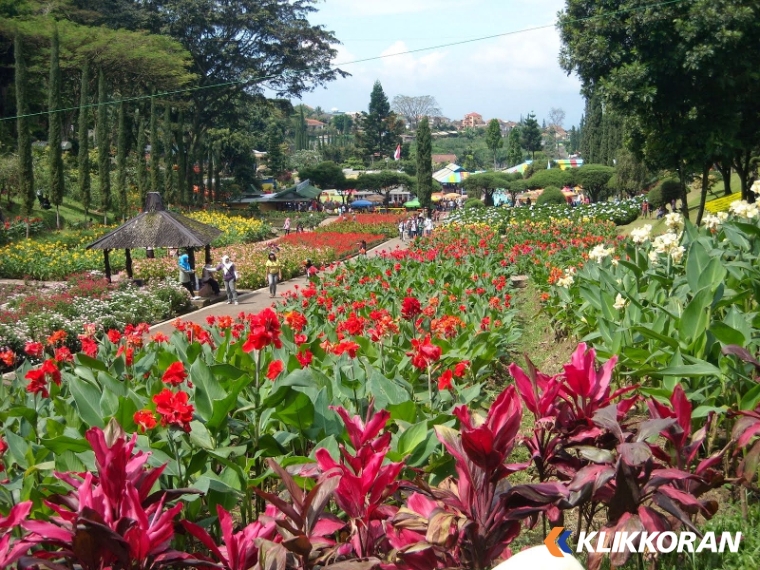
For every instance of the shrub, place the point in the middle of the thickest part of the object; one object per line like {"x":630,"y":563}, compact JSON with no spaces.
{"x":551,"y":195}
{"x":553,"y":177}
{"x":474,"y":203}
{"x":670,"y":189}
{"x":655,"y":197}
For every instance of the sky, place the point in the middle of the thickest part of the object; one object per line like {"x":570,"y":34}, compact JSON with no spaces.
{"x":503,"y":77}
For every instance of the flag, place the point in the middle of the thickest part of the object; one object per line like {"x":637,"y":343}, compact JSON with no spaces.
{"x":397,"y":154}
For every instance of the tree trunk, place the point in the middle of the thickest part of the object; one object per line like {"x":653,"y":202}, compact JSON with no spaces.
{"x":725,"y":171}
{"x":128,"y":256}
{"x":181,"y":161}
{"x":684,"y":191}
{"x":154,"y":174}
{"x":121,"y":160}
{"x":107,"y":265}
{"x":703,"y":194}
{"x":742,"y":165}
{"x":84,"y":141}
{"x":104,"y":147}
{"x":168,"y":161}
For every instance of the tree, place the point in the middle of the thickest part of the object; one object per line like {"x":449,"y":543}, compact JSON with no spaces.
{"x":276,"y":160}
{"x":514,"y":147}
{"x":591,"y":139}
{"x":383,"y":182}
{"x":121,"y":160}
{"x":326,"y":175}
{"x":25,"y":167}
{"x":424,"y":164}
{"x":301,"y":138}
{"x":493,"y":138}
{"x":551,"y":195}
{"x":486,"y":183}
{"x":142,"y":172}
{"x":531,"y":134}
{"x":84,"y":151}
{"x":104,"y":148}
{"x":632,"y":175}
{"x":594,"y":179}
{"x":414,"y":109}
{"x":168,"y":154}
{"x":153,"y":141}
{"x":556,"y":117}
{"x":380,"y":127}
{"x":57,"y":184}
{"x":574,"y":143}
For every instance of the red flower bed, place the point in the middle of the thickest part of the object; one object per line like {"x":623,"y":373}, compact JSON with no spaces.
{"x":342,"y":243}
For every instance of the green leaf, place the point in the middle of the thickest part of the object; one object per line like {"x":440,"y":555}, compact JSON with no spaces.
{"x":59,"y":445}
{"x":207,"y":390}
{"x":411,"y":438}
{"x":200,"y":436}
{"x":18,"y":448}
{"x":93,"y":363}
{"x":726,"y":334}
{"x":297,"y":411}
{"x":696,"y":316}
{"x":385,"y":390}
{"x":750,"y":399}
{"x":691,"y":370}
{"x":283,"y":386}
{"x":87,"y":399}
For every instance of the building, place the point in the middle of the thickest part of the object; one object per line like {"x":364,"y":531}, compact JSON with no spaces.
{"x":444,"y":158}
{"x":314,"y":125}
{"x":472,"y":120}
{"x":506,"y":126}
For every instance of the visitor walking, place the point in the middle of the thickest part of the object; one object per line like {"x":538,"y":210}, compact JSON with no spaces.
{"x":363,"y":247}
{"x":645,"y":208}
{"x":274,"y":274}
{"x":286,"y":226}
{"x":187,"y":275}
{"x":428,"y":226}
{"x":401,"y":230}
{"x":230,"y":275}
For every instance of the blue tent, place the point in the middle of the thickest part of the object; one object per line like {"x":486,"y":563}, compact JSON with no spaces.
{"x":361,"y":204}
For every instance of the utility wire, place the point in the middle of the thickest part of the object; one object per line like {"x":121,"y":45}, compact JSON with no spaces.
{"x":162,"y":94}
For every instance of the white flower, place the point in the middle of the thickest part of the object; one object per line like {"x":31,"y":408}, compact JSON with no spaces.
{"x":665,"y":242}
{"x":567,"y":280}
{"x":712,"y":222}
{"x":615,"y":262}
{"x":674,"y":221}
{"x":744,"y":209}
{"x":756,"y":186}
{"x":653,"y":257}
{"x":641,"y":235}
{"x":677,"y":252}
{"x":599,"y":253}
{"x":620,"y":302}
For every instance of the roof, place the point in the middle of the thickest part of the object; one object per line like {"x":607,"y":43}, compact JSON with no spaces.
{"x":474,"y":115}
{"x":447,"y":158}
{"x":314,"y":123}
{"x":155,"y":227}
{"x":301,"y":192}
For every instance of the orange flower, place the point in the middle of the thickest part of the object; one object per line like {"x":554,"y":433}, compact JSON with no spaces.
{"x":56,"y":338}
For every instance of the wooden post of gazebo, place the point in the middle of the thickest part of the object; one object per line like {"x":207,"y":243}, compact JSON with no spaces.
{"x":191,"y":257}
{"x":128,"y":255}
{"x":107,"y":264}
{"x":208,"y":254}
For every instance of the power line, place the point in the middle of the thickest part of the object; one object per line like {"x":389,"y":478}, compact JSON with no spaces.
{"x":162,"y":94}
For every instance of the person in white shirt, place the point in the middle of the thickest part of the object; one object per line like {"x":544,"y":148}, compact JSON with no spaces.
{"x":428,"y":226}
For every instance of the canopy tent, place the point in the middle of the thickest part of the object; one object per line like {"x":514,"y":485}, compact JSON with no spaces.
{"x":361,"y":204}
{"x":451,"y":174}
{"x":436,"y":197}
{"x":521,"y":168}
{"x":302,"y":192}
{"x":155,"y":227}
{"x":565,"y":163}
{"x":412,"y":204}
{"x":451,"y":196}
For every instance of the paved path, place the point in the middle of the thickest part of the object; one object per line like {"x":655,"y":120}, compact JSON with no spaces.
{"x":258,"y":300}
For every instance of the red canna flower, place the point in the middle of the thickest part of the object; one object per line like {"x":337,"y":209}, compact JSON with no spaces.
{"x":57,"y":338}
{"x":175,"y":374}
{"x":444,"y":381}
{"x":159,"y":337}
{"x":34,"y":349}
{"x":347,"y":346}
{"x":410,"y":308}
{"x":211,"y":320}
{"x":174,"y":409}
{"x":114,"y":336}
{"x":461,"y":368}
{"x":39,"y":377}
{"x":275,"y":368}
{"x":89,"y":346}
{"x":305,"y":357}
{"x":424,"y":353}
{"x":264,"y":331}
{"x":485,"y":323}
{"x":299,"y":339}
{"x":8,"y":357}
{"x":145,"y":420}
{"x":295,"y":320}
{"x":63,"y":354}
{"x":128,"y":352}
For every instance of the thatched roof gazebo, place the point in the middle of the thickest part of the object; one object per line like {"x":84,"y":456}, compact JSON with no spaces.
{"x":155,"y":227}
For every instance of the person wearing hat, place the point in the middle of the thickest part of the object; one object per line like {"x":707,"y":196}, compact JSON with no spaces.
{"x":227,"y":267}
{"x":274,"y":273}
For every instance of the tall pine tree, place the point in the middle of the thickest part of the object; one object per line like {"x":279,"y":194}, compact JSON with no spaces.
{"x":121,"y":160}
{"x":182,"y":190}
{"x":154,"y":174}
{"x":142,"y":172}
{"x":531,"y":135}
{"x":302,"y":141}
{"x":168,"y":159}
{"x":104,"y":147}
{"x":514,"y":147}
{"x":593,"y":132}
{"x":85,"y":193}
{"x":424,"y":163}
{"x":55,"y":136}
{"x":26,"y":171}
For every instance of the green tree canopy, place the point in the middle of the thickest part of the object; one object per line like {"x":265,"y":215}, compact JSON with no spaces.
{"x":594,"y":178}
{"x":530,"y":134}
{"x":325,"y":175}
{"x":494,"y":139}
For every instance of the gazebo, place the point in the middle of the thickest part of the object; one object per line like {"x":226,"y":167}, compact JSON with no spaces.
{"x":155,"y":227}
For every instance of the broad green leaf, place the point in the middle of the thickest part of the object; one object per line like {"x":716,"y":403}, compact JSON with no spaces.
{"x":385,"y":390}
{"x":207,"y":389}
{"x":87,"y":399}
{"x":296,"y":411}
{"x":18,"y":448}
{"x":692,"y":370}
{"x":726,"y":334}
{"x":59,"y":445}
{"x":412,"y":437}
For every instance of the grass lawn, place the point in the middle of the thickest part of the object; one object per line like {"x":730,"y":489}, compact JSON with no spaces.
{"x":72,"y":212}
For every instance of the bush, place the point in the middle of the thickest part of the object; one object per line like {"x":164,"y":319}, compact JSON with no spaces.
{"x":654,"y":197}
{"x":474,"y":203}
{"x":551,"y":195}
{"x":670,"y":189}
{"x":553,"y":177}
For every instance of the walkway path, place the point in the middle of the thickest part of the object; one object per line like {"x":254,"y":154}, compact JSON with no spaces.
{"x":258,"y":300}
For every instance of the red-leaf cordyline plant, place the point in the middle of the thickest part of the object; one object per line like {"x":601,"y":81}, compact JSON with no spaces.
{"x":365,"y":483}
{"x":110,"y":520}
{"x":11,"y":550}
{"x":472,"y":518}
{"x":563,"y":406}
{"x":639,"y":491}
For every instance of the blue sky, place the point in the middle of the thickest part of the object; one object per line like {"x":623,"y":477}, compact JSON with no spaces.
{"x":502,"y":77}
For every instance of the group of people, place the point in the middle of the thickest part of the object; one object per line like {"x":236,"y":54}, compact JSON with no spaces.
{"x":230,"y":275}
{"x":415,"y":226}
{"x":300,"y":228}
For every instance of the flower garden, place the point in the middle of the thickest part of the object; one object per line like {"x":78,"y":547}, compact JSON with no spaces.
{"x":378,"y":418}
